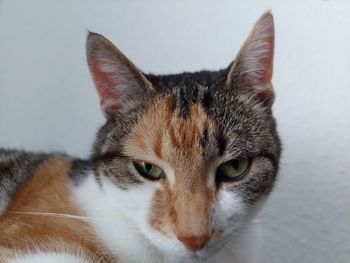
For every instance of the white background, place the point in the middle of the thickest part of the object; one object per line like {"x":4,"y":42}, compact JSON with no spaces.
{"x":48,"y":102}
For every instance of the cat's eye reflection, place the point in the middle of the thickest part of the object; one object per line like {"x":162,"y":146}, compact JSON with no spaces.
{"x":233,"y":170}
{"x":148,"y":170}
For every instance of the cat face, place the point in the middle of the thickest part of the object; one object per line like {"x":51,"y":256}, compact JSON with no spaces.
{"x":197,"y":151}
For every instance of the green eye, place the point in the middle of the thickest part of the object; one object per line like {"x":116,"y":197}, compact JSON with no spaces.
{"x":149,"y":171}
{"x":232,"y":170}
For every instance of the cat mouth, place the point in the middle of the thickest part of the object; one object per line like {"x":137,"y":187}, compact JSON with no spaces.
{"x":200,"y":255}
{"x":209,"y":251}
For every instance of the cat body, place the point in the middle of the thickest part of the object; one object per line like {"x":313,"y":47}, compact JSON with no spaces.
{"x":177,"y":173}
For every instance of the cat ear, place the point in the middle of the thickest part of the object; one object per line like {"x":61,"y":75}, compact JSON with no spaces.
{"x":118,"y":81}
{"x":251,"y":71}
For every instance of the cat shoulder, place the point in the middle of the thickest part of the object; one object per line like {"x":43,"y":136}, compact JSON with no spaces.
{"x":16,"y":167}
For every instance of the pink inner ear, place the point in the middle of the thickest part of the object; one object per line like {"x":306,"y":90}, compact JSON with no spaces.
{"x":106,"y":85}
{"x":266,"y":62}
{"x":266,"y":75}
{"x":255,"y":64}
{"x":264,"y":94}
{"x":259,"y":80}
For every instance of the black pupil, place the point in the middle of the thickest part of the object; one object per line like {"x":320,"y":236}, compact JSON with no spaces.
{"x":235,"y":164}
{"x":148,"y":167}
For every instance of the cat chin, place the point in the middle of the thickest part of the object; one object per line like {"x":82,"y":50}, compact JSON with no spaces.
{"x":184,"y":255}
{"x":173,"y":248}
{"x":235,"y":244}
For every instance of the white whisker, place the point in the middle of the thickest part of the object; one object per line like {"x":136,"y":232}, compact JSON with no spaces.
{"x":69,"y":216}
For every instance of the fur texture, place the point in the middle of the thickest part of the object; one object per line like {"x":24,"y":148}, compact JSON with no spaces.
{"x":103,"y":209}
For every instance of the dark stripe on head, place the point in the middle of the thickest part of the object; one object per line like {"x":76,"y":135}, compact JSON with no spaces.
{"x":221,"y":142}
{"x":185,"y":97}
{"x":183,"y":104}
{"x":207,"y":100}
{"x":204,"y":138}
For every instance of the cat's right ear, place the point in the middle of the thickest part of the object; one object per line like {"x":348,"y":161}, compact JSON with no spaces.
{"x":251,"y":71}
{"x":118,"y":81}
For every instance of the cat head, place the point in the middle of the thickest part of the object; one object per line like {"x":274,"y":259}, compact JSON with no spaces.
{"x":198,"y":152}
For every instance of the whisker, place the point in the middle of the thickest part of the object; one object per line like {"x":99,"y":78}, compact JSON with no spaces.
{"x":76,"y":217}
{"x":69,"y":216}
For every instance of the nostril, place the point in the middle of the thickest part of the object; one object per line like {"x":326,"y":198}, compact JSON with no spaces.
{"x":194,"y":243}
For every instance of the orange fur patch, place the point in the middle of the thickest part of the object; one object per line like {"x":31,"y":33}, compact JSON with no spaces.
{"x":182,"y":205}
{"x":47,"y":191}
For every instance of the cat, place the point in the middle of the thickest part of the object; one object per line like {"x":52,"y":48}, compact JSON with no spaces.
{"x":177,"y":173}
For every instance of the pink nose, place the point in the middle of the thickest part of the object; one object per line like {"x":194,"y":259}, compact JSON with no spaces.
{"x":194,"y":243}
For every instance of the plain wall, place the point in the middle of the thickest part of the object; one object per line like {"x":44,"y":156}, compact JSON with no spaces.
{"x":48,"y":102}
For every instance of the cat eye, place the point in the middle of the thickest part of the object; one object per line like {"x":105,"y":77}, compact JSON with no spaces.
{"x":233,"y":170}
{"x":149,"y":171}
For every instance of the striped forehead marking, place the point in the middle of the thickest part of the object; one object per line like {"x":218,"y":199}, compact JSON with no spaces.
{"x":168,"y":134}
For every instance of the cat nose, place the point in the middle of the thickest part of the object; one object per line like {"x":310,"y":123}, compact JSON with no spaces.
{"x":194,"y":243}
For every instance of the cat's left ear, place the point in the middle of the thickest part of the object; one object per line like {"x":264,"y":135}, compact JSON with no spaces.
{"x":119,"y":83}
{"x":251,"y":71}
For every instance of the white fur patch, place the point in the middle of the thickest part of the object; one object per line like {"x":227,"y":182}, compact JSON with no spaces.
{"x":49,"y":257}
{"x":120,"y":219}
{"x":114,"y":214}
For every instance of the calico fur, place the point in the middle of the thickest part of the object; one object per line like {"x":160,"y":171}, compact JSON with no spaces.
{"x":60,"y":209}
